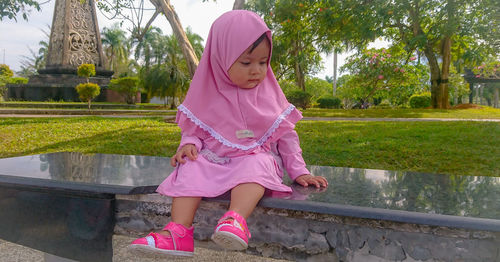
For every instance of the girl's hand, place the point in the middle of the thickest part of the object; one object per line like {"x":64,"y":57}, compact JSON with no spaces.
{"x":306,"y":180}
{"x":188,"y":150}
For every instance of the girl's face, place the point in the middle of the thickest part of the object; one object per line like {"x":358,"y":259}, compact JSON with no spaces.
{"x":251,"y":67}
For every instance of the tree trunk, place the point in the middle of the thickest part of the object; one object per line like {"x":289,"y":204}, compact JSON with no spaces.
{"x":239,"y":4}
{"x":435,"y":75}
{"x":334,"y":73}
{"x":299,"y":75}
{"x":495,"y":103}
{"x":445,"y":72}
{"x":175,"y":23}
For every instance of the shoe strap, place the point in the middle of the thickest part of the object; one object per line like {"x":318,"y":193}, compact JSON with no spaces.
{"x":237,"y":218}
{"x":177,"y":231}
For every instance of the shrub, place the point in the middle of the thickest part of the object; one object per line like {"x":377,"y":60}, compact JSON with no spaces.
{"x":329,"y":102}
{"x":88,"y":91}
{"x":422,"y":100}
{"x":299,"y":98}
{"x":384,"y":105}
{"x":18,"y":80}
{"x":86,"y":70}
{"x":5,"y":71}
{"x":126,"y":86}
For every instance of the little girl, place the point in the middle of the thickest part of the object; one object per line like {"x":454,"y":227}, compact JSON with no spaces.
{"x":237,"y":135}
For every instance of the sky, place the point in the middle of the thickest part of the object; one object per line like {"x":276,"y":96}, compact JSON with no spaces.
{"x":16,"y":38}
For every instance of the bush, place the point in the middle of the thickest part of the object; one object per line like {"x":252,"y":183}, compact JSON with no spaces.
{"x":329,"y":102}
{"x":127,"y":87}
{"x":18,"y":80}
{"x":422,"y":100}
{"x":299,"y":98}
{"x":88,"y":91}
{"x":384,"y":105}
{"x":5,"y":71}
{"x":86,"y":70}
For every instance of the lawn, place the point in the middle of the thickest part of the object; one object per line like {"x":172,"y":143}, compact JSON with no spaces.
{"x":461,"y":147}
{"x":483,"y":113}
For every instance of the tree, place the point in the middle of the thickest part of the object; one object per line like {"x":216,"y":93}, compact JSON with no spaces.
{"x":169,"y":75}
{"x":296,"y":45}
{"x":116,"y":48}
{"x":12,"y":8}
{"x":433,"y":27}
{"x":116,"y":10}
{"x":87,"y":91}
{"x":127,"y":87}
{"x":145,"y":48}
{"x":385,"y":73}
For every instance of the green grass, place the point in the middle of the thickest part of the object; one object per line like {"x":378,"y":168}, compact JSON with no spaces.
{"x":465,"y":148}
{"x":483,"y":113}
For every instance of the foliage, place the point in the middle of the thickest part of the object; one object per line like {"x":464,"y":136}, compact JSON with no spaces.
{"x":383,"y":73}
{"x":422,"y":100}
{"x":127,"y":87}
{"x":5,"y":71}
{"x":86,"y":70}
{"x":458,"y":86}
{"x":490,"y":69}
{"x":299,"y":98}
{"x":18,"y":80}
{"x":329,"y":102}
{"x":117,"y":48}
{"x":465,"y":30}
{"x":296,"y":45}
{"x":165,"y":73}
{"x":88,"y":91}
{"x":315,"y":86}
{"x":12,"y":8}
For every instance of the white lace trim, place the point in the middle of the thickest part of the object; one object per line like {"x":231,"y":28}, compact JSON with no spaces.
{"x":228,"y":143}
{"x":214,"y":158}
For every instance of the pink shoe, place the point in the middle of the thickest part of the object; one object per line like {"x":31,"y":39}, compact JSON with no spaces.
{"x":180,"y":243}
{"x":232,"y":234}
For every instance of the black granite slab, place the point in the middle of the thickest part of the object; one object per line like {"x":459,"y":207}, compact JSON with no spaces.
{"x":442,"y":200}
{"x":93,"y":173}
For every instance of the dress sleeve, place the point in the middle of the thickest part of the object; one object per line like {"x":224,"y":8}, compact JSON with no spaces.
{"x":187,"y":139}
{"x":291,"y":154}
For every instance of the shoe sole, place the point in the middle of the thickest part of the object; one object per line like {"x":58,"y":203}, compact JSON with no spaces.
{"x":229,"y":240}
{"x":143,"y":250}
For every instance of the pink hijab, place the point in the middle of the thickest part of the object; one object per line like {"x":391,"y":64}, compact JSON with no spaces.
{"x":236,"y":117}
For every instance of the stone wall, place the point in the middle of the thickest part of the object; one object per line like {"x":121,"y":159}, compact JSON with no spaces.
{"x":305,"y":236}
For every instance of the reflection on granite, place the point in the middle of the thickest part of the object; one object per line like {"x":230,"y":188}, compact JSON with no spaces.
{"x":468,"y":196}
{"x":138,"y":174}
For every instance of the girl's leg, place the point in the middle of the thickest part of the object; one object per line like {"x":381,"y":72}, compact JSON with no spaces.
{"x":183,"y":211}
{"x":244,"y":198}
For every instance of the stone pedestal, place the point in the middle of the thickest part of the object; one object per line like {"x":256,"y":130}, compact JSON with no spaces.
{"x":74,"y":40}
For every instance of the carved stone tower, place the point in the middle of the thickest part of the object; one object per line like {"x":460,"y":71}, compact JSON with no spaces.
{"x":74,"y":40}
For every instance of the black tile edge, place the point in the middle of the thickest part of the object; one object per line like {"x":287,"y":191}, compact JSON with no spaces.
{"x":384,"y":214}
{"x":38,"y":184}
{"x":401,"y":216}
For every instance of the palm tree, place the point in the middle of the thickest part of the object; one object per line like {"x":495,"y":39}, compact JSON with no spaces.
{"x":116,"y":47}
{"x":144,"y":47}
{"x":196,"y":41}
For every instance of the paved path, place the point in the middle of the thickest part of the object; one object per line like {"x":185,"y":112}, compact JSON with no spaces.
{"x":12,"y":252}
{"x":172,"y":117}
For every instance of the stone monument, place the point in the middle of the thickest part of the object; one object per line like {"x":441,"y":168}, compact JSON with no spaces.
{"x":74,"y":40}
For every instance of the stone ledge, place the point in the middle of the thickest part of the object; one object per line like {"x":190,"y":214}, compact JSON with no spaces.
{"x":311,"y":236}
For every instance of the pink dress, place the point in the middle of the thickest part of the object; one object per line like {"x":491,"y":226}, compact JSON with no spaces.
{"x":220,"y":168}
